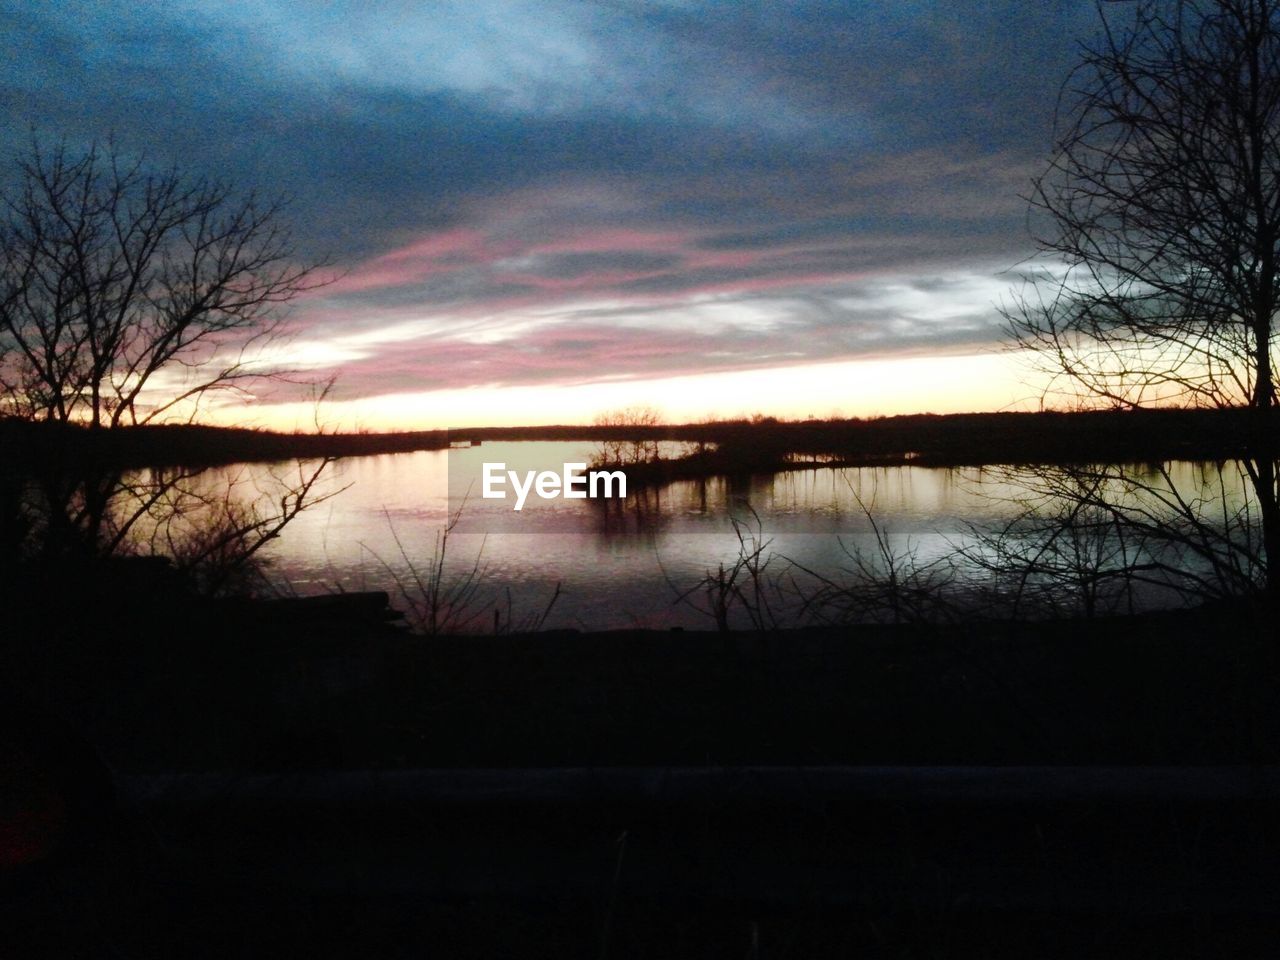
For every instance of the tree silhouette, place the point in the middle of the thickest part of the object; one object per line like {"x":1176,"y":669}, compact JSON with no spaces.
{"x":1161,"y":206}
{"x":635,"y":442}
{"x":115,"y":277}
{"x":127,"y":297}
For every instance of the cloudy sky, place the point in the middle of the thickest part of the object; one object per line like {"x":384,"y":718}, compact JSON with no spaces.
{"x":542,"y":210}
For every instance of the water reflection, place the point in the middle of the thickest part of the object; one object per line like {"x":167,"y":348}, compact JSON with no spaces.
{"x":620,"y":562}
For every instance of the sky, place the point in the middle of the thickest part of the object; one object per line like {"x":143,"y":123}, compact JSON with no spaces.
{"x":537,"y":212}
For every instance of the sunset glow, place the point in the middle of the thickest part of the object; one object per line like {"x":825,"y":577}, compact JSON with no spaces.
{"x":862,"y":388}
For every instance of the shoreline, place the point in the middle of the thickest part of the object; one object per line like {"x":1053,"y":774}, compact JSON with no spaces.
{"x":922,"y":439}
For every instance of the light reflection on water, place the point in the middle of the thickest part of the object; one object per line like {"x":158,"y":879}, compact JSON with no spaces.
{"x":624,"y":567}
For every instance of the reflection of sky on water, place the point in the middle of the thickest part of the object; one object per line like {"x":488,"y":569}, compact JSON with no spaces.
{"x":622,"y":567}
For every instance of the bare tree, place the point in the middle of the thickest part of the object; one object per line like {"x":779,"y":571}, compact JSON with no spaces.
{"x":116,"y":277}
{"x":745,"y":584}
{"x":1162,"y":206}
{"x":127,"y":297}
{"x":634,"y":443}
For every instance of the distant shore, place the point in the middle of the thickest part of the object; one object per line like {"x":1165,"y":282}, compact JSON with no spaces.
{"x":971,"y":439}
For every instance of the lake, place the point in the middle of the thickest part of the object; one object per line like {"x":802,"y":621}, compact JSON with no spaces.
{"x":620,"y":565}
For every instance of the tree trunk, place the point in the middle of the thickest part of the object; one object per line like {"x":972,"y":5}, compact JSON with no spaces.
{"x":1269,"y":508}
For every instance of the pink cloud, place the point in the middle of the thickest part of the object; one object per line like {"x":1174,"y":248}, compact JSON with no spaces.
{"x":558,"y":354}
{"x":469,"y":250}
{"x":592,"y":239}
{"x":428,"y":256}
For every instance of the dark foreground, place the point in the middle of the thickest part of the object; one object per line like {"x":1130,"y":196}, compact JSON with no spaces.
{"x":284,"y":783}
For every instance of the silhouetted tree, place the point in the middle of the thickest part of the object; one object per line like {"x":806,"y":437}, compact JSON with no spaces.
{"x":128,"y":296}
{"x":635,"y":442}
{"x":116,"y":277}
{"x":1162,"y":212}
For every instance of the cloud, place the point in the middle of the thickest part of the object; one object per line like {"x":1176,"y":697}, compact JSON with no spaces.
{"x":592,"y":342}
{"x":557,"y":191}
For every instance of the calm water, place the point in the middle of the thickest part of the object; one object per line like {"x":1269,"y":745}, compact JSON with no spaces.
{"x":622,"y":567}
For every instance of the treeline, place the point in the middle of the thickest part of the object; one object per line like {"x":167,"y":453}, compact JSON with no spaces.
{"x":194,"y":445}
{"x":953,"y":439}
{"x":926,"y":439}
